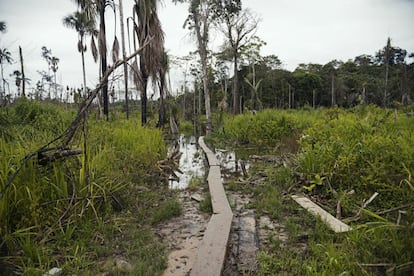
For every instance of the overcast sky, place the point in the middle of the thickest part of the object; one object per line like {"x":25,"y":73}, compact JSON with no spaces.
{"x":297,"y":31}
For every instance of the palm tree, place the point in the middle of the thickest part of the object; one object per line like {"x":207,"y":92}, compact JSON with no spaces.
{"x":84,"y":25}
{"x":5,"y":57}
{"x":148,"y":30}
{"x":54,"y":66}
{"x":94,"y":8}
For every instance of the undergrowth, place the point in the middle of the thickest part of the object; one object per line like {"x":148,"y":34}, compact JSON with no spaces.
{"x":77,"y":213}
{"x":342,"y":158}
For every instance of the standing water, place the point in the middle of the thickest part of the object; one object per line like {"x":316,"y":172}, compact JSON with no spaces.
{"x":191,"y":162}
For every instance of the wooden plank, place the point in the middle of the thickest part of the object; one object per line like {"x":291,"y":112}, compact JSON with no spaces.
{"x":218,"y":195}
{"x":335,"y":224}
{"x":212,"y":251}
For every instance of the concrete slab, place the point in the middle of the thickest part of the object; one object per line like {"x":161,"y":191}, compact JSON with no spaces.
{"x":335,"y":224}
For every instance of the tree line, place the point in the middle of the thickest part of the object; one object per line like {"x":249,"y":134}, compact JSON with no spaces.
{"x":385,"y":79}
{"x":234,"y":78}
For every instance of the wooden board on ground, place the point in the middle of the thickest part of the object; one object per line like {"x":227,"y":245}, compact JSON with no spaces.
{"x":212,"y":251}
{"x":335,"y":224}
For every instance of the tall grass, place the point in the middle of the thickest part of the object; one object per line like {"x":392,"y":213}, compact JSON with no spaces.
{"x":366,"y":150}
{"x":47,"y":205}
{"x":265,"y":129}
{"x":344,"y":156}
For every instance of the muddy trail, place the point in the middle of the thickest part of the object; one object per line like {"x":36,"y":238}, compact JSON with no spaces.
{"x":183,"y":234}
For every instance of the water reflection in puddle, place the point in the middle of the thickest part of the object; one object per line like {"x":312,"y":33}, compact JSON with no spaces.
{"x":191,"y":162}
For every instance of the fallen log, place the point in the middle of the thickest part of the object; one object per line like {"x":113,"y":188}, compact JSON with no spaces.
{"x":46,"y":157}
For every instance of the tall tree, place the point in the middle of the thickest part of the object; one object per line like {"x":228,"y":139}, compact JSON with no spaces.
{"x":121,"y":19}
{"x":94,"y":8}
{"x":199,"y":21}
{"x":250,"y":54}
{"x":238,"y":26}
{"x":53,"y":65}
{"x":18,"y":80}
{"x":22,"y":72}
{"x":148,"y":30}
{"x":101,"y":5}
{"x":392,"y":59}
{"x":84,"y":25}
{"x":5,"y":57}
{"x":387,"y":57}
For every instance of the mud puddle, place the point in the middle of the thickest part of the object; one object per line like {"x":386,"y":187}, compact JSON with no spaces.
{"x":183,"y":234}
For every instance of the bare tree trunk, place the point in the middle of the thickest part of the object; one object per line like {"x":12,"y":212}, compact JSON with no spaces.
{"x":386,"y":84}
{"x":22,"y":71}
{"x":121,"y":15}
{"x":363,"y":100}
{"x":185,"y":94}
{"x":102,"y":49}
{"x":290,"y":95}
{"x":333,"y":100}
{"x":83,"y":70}
{"x":202,"y":49}
{"x":314,"y":99}
{"x":236,"y":109}
{"x":144,"y":101}
{"x":161,"y":111}
{"x":387,"y":56}
{"x":3,"y":93}
{"x":54,"y":81}
{"x":207,"y":98}
{"x":200,"y":100}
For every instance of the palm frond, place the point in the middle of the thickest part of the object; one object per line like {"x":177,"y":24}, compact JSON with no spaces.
{"x":94,"y":49}
{"x":5,"y":56}
{"x":80,"y":46}
{"x":3,"y":26}
{"x":102,"y":44}
{"x":136,"y":75}
{"x":115,"y":50}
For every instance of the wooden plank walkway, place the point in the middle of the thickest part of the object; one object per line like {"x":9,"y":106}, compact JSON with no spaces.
{"x":212,"y":251}
{"x":335,"y":224}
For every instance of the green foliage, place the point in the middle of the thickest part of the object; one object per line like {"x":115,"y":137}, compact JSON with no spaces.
{"x":367,"y":150}
{"x":195,"y":184}
{"x":186,"y":127}
{"x":167,"y":209}
{"x":266,"y":128}
{"x":125,"y":150}
{"x":344,"y":156}
{"x":205,"y":205}
{"x":52,"y":214}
